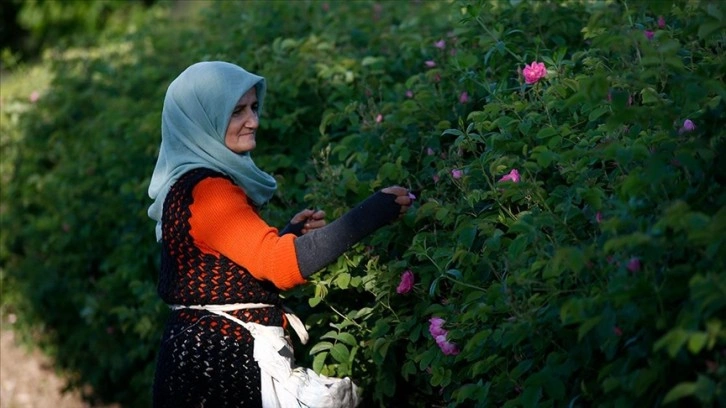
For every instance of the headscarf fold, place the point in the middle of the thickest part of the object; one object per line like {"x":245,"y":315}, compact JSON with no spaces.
{"x":194,"y":119}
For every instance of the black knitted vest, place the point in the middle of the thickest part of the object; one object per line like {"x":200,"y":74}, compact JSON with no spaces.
{"x":206,"y":360}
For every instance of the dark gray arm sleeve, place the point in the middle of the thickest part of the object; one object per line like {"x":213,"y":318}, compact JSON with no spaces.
{"x":320,"y":247}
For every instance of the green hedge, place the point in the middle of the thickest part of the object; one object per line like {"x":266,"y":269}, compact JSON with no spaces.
{"x":594,"y":278}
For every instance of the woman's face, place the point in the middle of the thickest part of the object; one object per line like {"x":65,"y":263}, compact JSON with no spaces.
{"x":243,"y":124}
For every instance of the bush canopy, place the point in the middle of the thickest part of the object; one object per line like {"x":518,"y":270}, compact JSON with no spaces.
{"x":567,"y":242}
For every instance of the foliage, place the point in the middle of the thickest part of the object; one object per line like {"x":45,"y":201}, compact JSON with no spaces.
{"x":30,"y":26}
{"x":592,"y":278}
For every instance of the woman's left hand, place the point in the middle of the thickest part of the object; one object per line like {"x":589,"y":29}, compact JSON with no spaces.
{"x":313,"y":219}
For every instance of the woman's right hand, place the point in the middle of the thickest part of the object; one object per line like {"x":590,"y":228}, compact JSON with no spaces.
{"x":403,"y":197}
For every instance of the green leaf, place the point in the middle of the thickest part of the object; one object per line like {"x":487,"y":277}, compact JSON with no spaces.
{"x":588,"y":325}
{"x":705,"y":30}
{"x":530,"y":397}
{"x":343,"y":280}
{"x":347,"y":338}
{"x":319,"y":361}
{"x":697,"y":341}
{"x":672,"y":341}
{"x":597,"y":112}
{"x":313,"y":301}
{"x":321,"y":346}
{"x":681,"y":390}
{"x":340,"y":353}
{"x":546,"y":132}
{"x":626,"y":242}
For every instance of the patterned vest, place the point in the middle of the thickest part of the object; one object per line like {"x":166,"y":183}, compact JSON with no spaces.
{"x":189,"y":276}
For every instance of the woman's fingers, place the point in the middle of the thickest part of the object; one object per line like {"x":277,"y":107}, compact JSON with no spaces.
{"x":301,"y":216}
{"x":395,"y":190}
{"x":403,"y":197}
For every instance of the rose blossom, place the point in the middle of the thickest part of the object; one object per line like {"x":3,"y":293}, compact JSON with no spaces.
{"x":456,"y":173}
{"x":534,"y":72}
{"x":661,"y":22}
{"x":464,"y":97}
{"x":688,"y":126}
{"x":436,"y":327}
{"x":633,"y":265}
{"x":441,"y":44}
{"x":513,"y":176}
{"x":648,"y":34}
{"x":448,"y":348}
{"x":406,"y":283}
{"x":430,"y":63}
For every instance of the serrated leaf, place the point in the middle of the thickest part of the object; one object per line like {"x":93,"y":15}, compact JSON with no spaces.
{"x":697,"y":341}
{"x":546,"y":132}
{"x":340,"y":353}
{"x":680,"y":391}
{"x":587,"y":325}
{"x":319,"y":361}
{"x":322,"y":346}
{"x":343,"y":280}
{"x":347,"y":338}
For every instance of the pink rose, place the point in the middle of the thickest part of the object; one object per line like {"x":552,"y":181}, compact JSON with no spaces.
{"x":688,"y":126}
{"x":534,"y":72}
{"x":648,"y":34}
{"x":430,"y":63}
{"x":513,"y":176}
{"x":436,"y":327}
{"x":449,"y":349}
{"x":435,"y":177}
{"x":379,"y":118}
{"x":661,"y":22}
{"x":441,"y":44}
{"x":406,"y":283}
{"x":464,"y":97}
{"x":633,"y":265}
{"x":598,"y":217}
{"x":409,"y":94}
{"x":456,"y":173}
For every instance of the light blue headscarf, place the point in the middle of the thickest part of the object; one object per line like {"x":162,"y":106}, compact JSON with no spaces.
{"x":194,"y":119}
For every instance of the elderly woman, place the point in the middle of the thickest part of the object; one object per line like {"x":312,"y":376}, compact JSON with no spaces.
{"x":222,"y":266}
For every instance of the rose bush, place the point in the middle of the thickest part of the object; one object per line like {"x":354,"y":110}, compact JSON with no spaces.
{"x":566,"y":245}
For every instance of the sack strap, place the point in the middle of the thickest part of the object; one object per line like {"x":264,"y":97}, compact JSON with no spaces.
{"x":221,"y":310}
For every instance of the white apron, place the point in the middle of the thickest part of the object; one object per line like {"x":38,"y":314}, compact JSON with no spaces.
{"x":283,"y":384}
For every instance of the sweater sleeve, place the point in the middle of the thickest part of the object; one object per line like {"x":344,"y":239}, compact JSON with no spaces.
{"x":223,"y":222}
{"x":320,"y":247}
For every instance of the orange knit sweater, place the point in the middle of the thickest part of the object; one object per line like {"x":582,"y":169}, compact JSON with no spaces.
{"x":223,"y":222}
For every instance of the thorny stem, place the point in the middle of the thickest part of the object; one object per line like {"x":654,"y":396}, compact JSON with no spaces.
{"x":343,"y":316}
{"x":463,"y":283}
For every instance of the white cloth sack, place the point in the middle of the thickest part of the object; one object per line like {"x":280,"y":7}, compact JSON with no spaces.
{"x":286,"y":386}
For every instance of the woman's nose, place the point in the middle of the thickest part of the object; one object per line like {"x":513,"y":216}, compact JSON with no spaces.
{"x":253,"y":121}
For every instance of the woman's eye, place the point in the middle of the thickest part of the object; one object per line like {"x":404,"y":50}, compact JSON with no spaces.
{"x":255,"y":107}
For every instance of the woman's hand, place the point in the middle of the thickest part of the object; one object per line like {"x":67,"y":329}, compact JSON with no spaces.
{"x":313,"y":219}
{"x":403,"y":197}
